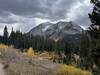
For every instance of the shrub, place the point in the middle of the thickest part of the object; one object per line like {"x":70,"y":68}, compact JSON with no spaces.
{"x":30,"y":52}
{"x":2,"y":46}
{"x":70,"y":70}
{"x":44,"y":54}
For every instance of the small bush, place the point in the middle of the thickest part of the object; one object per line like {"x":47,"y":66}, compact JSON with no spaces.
{"x":30,"y":53}
{"x":44,"y":54}
{"x":70,"y":70}
{"x":2,"y":46}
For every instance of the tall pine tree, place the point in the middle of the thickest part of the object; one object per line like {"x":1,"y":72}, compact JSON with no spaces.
{"x":5,"y":35}
{"x":94,"y":31}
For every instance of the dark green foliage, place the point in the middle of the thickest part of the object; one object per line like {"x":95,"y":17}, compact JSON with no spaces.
{"x":5,"y":35}
{"x":94,"y":1}
{"x":85,"y":45}
{"x":90,"y":38}
{"x":24,"y":41}
{"x":94,"y":31}
{"x":95,"y":19}
{"x":1,"y":39}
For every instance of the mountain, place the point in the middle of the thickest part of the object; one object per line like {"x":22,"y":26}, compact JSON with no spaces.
{"x":58,"y":31}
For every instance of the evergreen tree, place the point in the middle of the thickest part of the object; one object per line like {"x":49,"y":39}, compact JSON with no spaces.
{"x":95,"y":19}
{"x":1,"y":39}
{"x":5,"y":35}
{"x":94,"y":31}
{"x":94,"y":1}
{"x":85,"y":51}
{"x":11,"y":37}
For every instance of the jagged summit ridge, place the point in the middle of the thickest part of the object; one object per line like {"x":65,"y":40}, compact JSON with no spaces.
{"x":56,"y":30}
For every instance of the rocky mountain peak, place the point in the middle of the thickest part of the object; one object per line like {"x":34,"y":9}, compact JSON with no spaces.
{"x":59,"y":30}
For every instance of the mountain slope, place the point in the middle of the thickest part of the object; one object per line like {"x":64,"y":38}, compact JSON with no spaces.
{"x":57,"y":31}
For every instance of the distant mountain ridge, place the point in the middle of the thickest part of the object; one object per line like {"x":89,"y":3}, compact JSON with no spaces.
{"x":57,"y":31}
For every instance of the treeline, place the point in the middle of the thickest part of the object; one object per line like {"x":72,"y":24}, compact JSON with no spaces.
{"x":90,"y":45}
{"x":24,"y":41}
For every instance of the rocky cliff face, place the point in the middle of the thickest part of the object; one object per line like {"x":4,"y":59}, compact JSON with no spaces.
{"x":57,"y":31}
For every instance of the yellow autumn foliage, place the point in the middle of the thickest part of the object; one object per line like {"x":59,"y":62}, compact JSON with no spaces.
{"x":2,"y":46}
{"x":30,"y":52}
{"x":70,"y":70}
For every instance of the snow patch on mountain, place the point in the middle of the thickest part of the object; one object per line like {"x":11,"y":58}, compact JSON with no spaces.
{"x":58,"y":30}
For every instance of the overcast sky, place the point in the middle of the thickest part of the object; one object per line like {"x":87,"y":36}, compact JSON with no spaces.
{"x":26,"y":14}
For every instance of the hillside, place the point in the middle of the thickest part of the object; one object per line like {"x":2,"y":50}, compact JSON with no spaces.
{"x":17,"y":63}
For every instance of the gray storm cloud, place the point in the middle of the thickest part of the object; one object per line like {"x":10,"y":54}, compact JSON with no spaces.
{"x":25,"y":14}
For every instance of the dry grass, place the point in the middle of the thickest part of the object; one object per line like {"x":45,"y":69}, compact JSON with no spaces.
{"x":45,"y":55}
{"x":70,"y":70}
{"x":16,"y":63}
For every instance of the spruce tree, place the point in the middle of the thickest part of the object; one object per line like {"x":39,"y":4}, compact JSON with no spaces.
{"x":95,"y":19}
{"x":5,"y":35}
{"x":94,"y":31}
{"x":12,"y":37}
